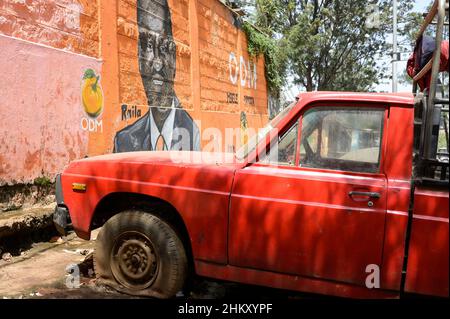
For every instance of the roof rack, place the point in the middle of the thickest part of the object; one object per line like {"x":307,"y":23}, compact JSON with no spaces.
{"x":431,"y":166}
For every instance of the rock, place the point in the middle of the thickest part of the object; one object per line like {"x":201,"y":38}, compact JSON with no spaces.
{"x":49,"y":199}
{"x":16,"y":201}
{"x":6,"y":257}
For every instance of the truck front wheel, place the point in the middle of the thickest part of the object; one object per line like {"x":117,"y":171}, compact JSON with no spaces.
{"x":139,"y":254}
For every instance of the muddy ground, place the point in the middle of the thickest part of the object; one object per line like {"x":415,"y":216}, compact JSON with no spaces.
{"x":44,"y":269}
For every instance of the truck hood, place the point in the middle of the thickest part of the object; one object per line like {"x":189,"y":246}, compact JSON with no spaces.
{"x":194,"y":183}
{"x":167,"y":167}
{"x":174,"y":158}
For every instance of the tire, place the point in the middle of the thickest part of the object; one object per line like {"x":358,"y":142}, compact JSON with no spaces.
{"x":139,"y":254}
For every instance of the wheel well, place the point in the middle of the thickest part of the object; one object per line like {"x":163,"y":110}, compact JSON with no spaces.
{"x":114,"y":203}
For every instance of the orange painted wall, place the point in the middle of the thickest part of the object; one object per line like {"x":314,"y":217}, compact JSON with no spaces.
{"x":205,"y":37}
{"x":56,"y":41}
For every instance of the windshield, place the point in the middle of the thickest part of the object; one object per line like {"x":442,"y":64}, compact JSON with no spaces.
{"x":246,"y":149}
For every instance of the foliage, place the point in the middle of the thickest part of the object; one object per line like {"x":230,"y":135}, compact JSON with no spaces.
{"x":260,"y":43}
{"x":42,"y":181}
{"x":332,"y":45}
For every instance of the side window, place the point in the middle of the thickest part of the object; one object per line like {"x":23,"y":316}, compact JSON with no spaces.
{"x":283,"y":153}
{"x":347,"y":139}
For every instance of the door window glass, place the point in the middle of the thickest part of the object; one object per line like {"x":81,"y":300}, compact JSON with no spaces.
{"x":346,"y":139}
{"x":283,"y":153}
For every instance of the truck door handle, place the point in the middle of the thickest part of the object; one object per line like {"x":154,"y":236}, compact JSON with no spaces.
{"x":369,"y":194}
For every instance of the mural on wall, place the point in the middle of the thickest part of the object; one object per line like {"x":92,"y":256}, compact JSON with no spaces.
{"x":92,"y":100}
{"x":166,"y":126}
{"x":244,"y":128}
{"x":157,"y":66}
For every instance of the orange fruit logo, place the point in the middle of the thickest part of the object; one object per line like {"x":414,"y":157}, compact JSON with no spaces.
{"x":92,"y":94}
{"x":244,"y":126}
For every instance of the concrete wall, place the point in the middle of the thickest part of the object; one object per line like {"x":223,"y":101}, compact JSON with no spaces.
{"x":45,"y":46}
{"x":78,"y":77}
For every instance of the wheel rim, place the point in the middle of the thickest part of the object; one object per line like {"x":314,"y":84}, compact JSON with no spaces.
{"x":134,"y":261}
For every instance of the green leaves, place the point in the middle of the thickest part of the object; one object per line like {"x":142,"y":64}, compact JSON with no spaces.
{"x":88,"y":74}
{"x":326,"y":44}
{"x":261,"y":44}
{"x":95,"y":85}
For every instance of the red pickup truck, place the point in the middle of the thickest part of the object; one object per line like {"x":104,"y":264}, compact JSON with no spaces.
{"x":342,"y":194}
{"x":322,"y":199}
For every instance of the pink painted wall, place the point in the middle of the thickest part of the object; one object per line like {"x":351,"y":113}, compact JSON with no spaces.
{"x":40,"y":109}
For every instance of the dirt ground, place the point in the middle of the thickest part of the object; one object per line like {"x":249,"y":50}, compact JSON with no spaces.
{"x":45,"y":270}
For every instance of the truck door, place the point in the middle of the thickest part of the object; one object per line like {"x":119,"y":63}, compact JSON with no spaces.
{"x":316,"y":206}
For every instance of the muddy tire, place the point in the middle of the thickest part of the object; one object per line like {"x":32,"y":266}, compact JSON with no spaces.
{"x":139,"y":254}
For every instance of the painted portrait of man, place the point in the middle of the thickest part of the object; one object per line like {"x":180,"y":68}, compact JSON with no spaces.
{"x":166,"y":126}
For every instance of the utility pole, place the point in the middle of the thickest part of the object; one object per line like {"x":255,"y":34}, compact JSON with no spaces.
{"x":394,"y":48}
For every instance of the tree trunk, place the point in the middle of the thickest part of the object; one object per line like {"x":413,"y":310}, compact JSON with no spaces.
{"x":309,"y":80}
